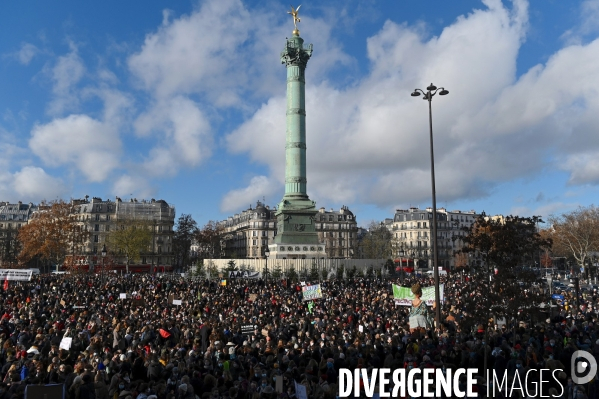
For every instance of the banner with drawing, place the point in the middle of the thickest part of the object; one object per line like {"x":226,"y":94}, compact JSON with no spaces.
{"x":310,"y":292}
{"x":403,"y":295}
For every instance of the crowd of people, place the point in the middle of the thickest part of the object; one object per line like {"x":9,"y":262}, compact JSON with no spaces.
{"x":258,"y":339}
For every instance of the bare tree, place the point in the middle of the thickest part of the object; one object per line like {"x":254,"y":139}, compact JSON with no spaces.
{"x":377,"y":244}
{"x":576,"y":233}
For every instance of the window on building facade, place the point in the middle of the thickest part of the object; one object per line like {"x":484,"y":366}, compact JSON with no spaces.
{"x":159,"y":249}
{"x":254,"y":234}
{"x":107,"y":218}
{"x":330,"y":218}
{"x":254,"y":242}
{"x":95,"y":238}
{"x":97,"y":217}
{"x":263,"y":233}
{"x":96,"y":227}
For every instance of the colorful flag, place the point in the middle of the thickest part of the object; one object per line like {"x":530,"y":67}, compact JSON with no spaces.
{"x":6,"y":282}
{"x":310,"y":306}
{"x":223,"y":282}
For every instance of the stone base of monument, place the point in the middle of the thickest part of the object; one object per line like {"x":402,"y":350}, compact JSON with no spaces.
{"x":296,"y":251}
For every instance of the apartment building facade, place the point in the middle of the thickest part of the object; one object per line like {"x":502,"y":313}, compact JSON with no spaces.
{"x":248,"y":233}
{"x":412,"y":236}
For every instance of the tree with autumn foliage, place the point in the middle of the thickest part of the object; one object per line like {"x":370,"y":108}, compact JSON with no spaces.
{"x":209,"y":240}
{"x":505,"y":245}
{"x":52,"y":233}
{"x":576,"y":234}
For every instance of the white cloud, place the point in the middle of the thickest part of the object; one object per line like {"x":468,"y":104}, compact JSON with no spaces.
{"x":195,"y":52}
{"x":32,"y":184}
{"x":183,"y":136}
{"x":128,"y":185}
{"x":26,"y":53}
{"x":65,"y":74}
{"x":259,"y":186}
{"x":80,"y":141}
{"x":227,"y":52}
{"x":370,"y":142}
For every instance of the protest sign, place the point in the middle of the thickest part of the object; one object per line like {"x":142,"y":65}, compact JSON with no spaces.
{"x":248,"y":329}
{"x":361,"y":328}
{"x":62,"y":302}
{"x":300,"y":391}
{"x":177,"y":302}
{"x":279,"y":384}
{"x":403,"y":295}
{"x":253,"y":297}
{"x":54,"y":391}
{"x":123,"y":296}
{"x":65,"y":343}
{"x":310,"y":292}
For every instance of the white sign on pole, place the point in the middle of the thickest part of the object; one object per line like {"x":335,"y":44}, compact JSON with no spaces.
{"x":177,"y":302}
{"x":123,"y":296}
{"x":361,"y":328}
{"x":65,"y":343}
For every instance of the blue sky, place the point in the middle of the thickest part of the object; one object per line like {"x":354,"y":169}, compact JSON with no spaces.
{"x":185,"y":101}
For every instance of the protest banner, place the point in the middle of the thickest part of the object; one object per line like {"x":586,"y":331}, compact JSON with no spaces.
{"x":15,"y":275}
{"x":54,"y":391}
{"x":403,"y":295}
{"x":65,"y":343}
{"x":177,"y":302}
{"x":311,"y":292}
{"x":244,"y":274}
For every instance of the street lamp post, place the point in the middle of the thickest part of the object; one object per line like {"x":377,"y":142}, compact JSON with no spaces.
{"x":103,"y":256}
{"x":266,"y":254}
{"x":428,"y":95}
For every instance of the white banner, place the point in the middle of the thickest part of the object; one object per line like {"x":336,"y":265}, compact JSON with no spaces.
{"x":244,"y":274}
{"x":15,"y":275}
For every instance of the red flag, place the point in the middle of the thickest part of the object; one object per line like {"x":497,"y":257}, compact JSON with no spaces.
{"x":6,"y":282}
{"x":164,"y":334}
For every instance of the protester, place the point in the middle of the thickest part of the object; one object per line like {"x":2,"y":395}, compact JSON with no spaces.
{"x":144,"y":346}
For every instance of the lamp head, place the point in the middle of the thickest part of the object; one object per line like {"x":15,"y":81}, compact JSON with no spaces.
{"x":432,"y":87}
{"x":443,"y":92}
{"x":104,"y":250}
{"x":415,"y":93}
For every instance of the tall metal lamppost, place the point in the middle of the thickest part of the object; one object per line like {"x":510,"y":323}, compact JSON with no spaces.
{"x":103,"y":256}
{"x":266,"y":254}
{"x":428,"y":95}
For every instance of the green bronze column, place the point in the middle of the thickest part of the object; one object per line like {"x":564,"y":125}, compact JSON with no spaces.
{"x":296,"y":227}
{"x":296,"y":57}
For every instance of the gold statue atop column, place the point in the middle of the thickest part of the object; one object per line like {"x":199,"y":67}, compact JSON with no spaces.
{"x":296,"y":19}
